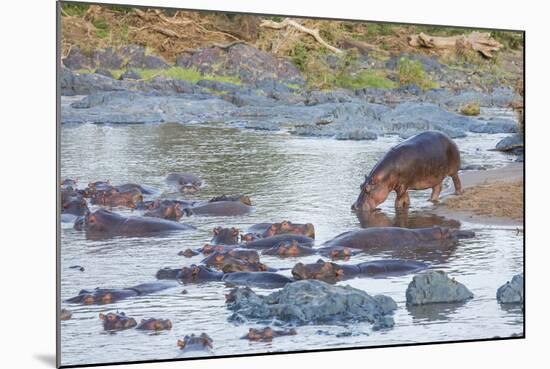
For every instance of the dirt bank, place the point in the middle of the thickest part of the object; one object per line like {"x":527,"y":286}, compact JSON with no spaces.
{"x":490,"y":196}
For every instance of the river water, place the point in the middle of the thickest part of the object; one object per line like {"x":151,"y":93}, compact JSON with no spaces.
{"x":300,"y":179}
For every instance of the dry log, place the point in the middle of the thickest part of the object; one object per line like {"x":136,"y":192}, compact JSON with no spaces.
{"x":478,"y":41}
{"x":287,"y":22}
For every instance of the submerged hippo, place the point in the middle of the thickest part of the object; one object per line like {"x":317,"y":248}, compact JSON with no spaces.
{"x":165,"y":209}
{"x":337,"y":252}
{"x":190,"y":274}
{"x":225,"y":236}
{"x":332,"y":273}
{"x":219,"y":257}
{"x":185,"y":182}
{"x":73,"y":203}
{"x":267,"y":334}
{"x":257,"y":279}
{"x":289,"y":249}
{"x":100,"y":296}
{"x":193,"y":342}
{"x":239,"y":198}
{"x":418,"y":163}
{"x":117,"y":321}
{"x":221,"y":208}
{"x":104,"y":223}
{"x":266,"y":243}
{"x":383,"y":238}
{"x":153,"y":324}
{"x":285,"y":227}
{"x":114,"y":198}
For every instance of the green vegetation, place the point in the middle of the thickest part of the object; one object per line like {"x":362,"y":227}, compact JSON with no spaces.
{"x":178,"y":73}
{"x":366,"y":79}
{"x":102,"y":28}
{"x":412,"y":72}
{"x":74,"y":10}
{"x":470,"y":109}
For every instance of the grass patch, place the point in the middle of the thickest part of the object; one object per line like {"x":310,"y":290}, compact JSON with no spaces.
{"x":178,"y":73}
{"x":74,"y":10}
{"x":365,"y":79}
{"x":102,"y":28}
{"x":412,"y":72}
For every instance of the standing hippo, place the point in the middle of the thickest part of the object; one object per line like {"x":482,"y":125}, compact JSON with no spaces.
{"x":185,"y":182}
{"x":418,"y":163}
{"x":104,"y":223}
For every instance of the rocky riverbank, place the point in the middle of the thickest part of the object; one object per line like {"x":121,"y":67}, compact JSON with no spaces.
{"x":260,"y":91}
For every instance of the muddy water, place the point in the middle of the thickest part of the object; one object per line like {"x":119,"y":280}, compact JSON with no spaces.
{"x":296,"y":178}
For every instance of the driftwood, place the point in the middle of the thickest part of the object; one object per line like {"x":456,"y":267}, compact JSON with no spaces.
{"x":478,"y":41}
{"x":287,"y":22}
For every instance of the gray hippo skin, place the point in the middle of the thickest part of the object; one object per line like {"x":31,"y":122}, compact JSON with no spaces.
{"x":110,"y":295}
{"x":185,"y":182}
{"x":265,"y":243}
{"x":418,"y":163}
{"x":220,"y":208}
{"x":104,"y":223}
{"x":332,"y":272}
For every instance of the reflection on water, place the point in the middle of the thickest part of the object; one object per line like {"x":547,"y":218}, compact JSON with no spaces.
{"x":296,"y":178}
{"x":405,"y":218}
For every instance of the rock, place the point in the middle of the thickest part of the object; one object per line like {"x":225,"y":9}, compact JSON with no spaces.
{"x":429,"y":64}
{"x":495,"y":126}
{"x":434,"y":286}
{"x":312,"y":301}
{"x":131,"y":56}
{"x":470,"y":109}
{"x":65,"y":314}
{"x":473,"y":167}
{"x":104,"y":72}
{"x":218,"y":86}
{"x":512,"y":291}
{"x":243,"y":61}
{"x":510,"y":143}
{"x":130,"y":74}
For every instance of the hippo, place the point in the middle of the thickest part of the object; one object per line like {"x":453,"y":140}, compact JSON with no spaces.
{"x":267,"y":334}
{"x":220,"y":208}
{"x":190,"y":274}
{"x":104,"y":223}
{"x":207,"y":248}
{"x":383,"y":238}
{"x":232,"y":265}
{"x":188,"y":253}
{"x":100,"y":296}
{"x":269,"y":242}
{"x":285,"y":227}
{"x":217,"y":258}
{"x":73,"y":204}
{"x":225,"y":236}
{"x":114,"y":198}
{"x":68,"y":183}
{"x":153,"y":324}
{"x":337,"y":252}
{"x":145,"y":190}
{"x":193,"y":342}
{"x":257,"y":279}
{"x":249,"y":237}
{"x":239,"y":198}
{"x":117,"y":321}
{"x":418,"y":163}
{"x":166,"y":209}
{"x":332,"y":273}
{"x":289,"y":249}
{"x":185,"y":182}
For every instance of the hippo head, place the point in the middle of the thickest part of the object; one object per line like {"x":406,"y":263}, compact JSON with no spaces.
{"x":171,"y":211}
{"x":74,"y":205}
{"x":197,"y":342}
{"x":226,"y":236}
{"x":265,"y":334}
{"x":374,"y":190}
{"x":321,"y":270}
{"x":288,"y":227}
{"x":68,"y":183}
{"x":99,"y":221}
{"x":116,"y":321}
{"x":194,"y":273}
{"x":153,"y":324}
{"x":249,"y":237}
{"x":289,"y":248}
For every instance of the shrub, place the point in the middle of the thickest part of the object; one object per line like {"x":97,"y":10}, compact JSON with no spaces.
{"x":412,"y":72}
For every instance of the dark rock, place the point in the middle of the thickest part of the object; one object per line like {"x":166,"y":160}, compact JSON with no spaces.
{"x":104,"y":72}
{"x":510,"y":143}
{"x":512,"y":291}
{"x":495,"y":126}
{"x":429,"y":64}
{"x":311,"y":301}
{"x":76,"y":59}
{"x":434,"y":286}
{"x":130,"y":74}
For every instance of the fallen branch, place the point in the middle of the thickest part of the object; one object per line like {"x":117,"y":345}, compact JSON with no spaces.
{"x":477,"y":41}
{"x":287,"y":22}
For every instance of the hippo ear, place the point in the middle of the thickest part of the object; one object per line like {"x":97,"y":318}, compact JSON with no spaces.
{"x":216,"y":230}
{"x":234,"y":231}
{"x":181,"y":343}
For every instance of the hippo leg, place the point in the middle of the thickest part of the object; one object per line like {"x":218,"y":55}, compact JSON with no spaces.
{"x":402,"y":200}
{"x":457,"y":184}
{"x":436,"y":190}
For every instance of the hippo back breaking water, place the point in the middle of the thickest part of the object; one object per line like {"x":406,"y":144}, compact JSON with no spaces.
{"x":419,"y":163}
